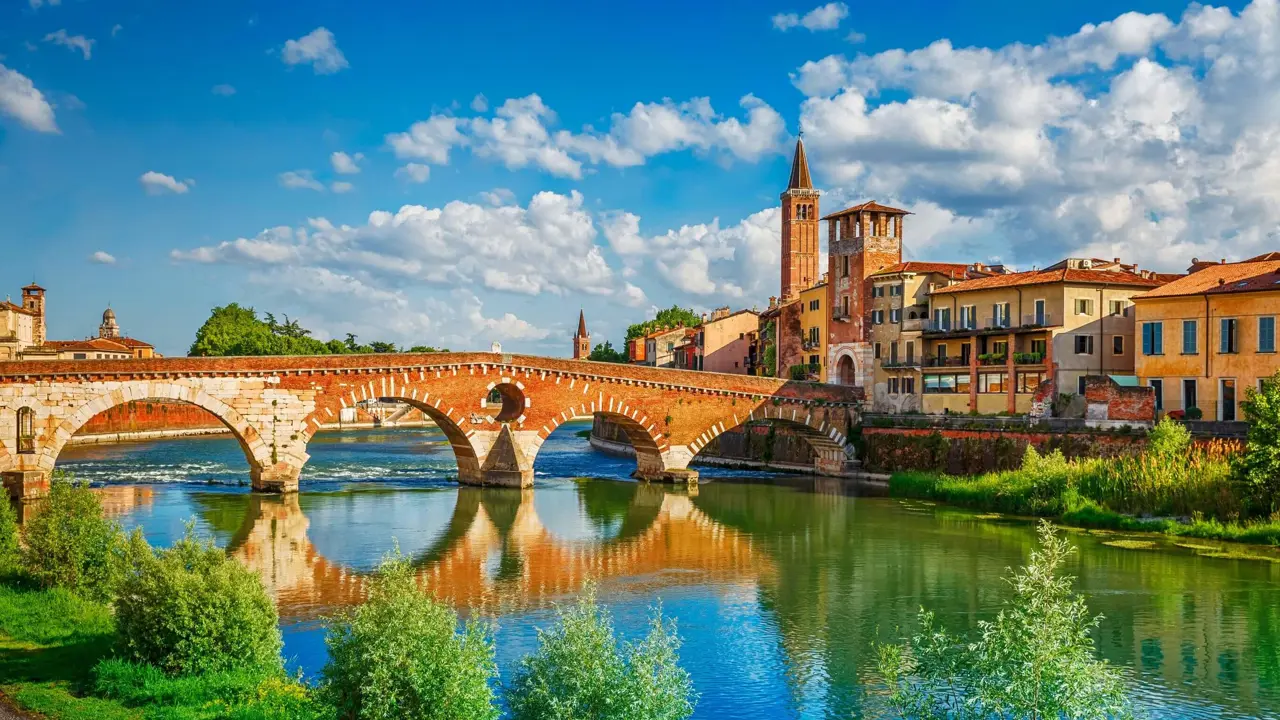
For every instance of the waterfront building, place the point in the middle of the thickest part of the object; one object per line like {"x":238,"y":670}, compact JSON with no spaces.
{"x":582,"y":339}
{"x":723,"y":341}
{"x":660,"y":346}
{"x":1209,"y":337}
{"x":801,"y":334}
{"x":23,"y":335}
{"x":990,"y":341}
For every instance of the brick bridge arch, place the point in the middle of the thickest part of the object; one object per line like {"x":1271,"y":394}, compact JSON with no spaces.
{"x":276,"y":404}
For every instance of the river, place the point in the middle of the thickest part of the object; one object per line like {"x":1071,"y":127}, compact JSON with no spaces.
{"x":781,"y":584}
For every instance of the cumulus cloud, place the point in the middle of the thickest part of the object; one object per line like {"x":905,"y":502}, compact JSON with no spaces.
{"x":414,"y":173}
{"x":71,"y":42}
{"x":346,"y":164}
{"x":823,"y":17}
{"x":520,"y":133}
{"x":224,"y":90}
{"x":300,"y":180}
{"x":317,"y":49}
{"x":341,"y":187}
{"x":20,"y":100}
{"x":1138,"y":137}
{"x":480,"y":103}
{"x":102,"y":258}
{"x":155,"y":183}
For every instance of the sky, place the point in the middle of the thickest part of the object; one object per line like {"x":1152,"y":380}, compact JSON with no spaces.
{"x":445,"y":174}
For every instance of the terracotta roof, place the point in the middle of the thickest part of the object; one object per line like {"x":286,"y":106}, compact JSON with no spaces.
{"x":800,"y":179}
{"x":582,"y":324}
{"x":1223,"y":280}
{"x":1045,"y":277}
{"x":870,"y":205}
{"x":1265,"y":257}
{"x":951,"y":270}
{"x":6,"y":305}
{"x":99,"y":344}
{"x":33,"y":286}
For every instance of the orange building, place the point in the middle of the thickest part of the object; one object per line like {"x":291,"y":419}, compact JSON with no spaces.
{"x":1209,"y":338}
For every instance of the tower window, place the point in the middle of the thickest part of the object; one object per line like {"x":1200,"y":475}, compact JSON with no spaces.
{"x":26,"y":430}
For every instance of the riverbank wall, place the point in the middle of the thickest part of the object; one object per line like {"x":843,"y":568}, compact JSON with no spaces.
{"x":753,"y":446}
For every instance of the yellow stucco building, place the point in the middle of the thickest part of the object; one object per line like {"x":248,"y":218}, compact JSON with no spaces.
{"x":814,"y":315}
{"x":1207,"y":339}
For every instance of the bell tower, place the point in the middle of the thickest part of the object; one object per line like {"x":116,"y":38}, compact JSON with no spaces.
{"x":33,"y":301}
{"x":799,"y":228}
{"x":581,"y":341}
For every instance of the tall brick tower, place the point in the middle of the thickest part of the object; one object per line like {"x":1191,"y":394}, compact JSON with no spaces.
{"x":581,"y":341}
{"x":861,"y":241}
{"x":33,"y":300}
{"x":799,"y":229}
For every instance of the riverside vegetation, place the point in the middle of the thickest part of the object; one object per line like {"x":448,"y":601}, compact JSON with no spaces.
{"x":94,"y":623}
{"x":1176,"y":486}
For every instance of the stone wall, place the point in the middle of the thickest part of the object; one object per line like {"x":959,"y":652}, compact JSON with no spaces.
{"x":150,"y":416}
{"x":754,"y":444}
{"x":972,"y":452}
{"x":1107,"y":403}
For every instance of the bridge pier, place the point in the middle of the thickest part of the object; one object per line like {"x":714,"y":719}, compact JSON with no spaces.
{"x":671,"y":466}
{"x":278,"y":478}
{"x":25,"y":485}
{"x":505,"y":463}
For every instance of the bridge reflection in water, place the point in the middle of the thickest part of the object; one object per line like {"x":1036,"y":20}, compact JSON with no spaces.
{"x":496,"y":554}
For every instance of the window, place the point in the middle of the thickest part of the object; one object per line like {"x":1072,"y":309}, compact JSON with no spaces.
{"x":1227,"y":400}
{"x":1041,"y":317}
{"x":877,"y":350}
{"x":942,"y":351}
{"x":1029,"y":381}
{"x":911,"y":352}
{"x":993,"y":383}
{"x":1000,"y":347}
{"x":895,"y":291}
{"x":844,"y":266}
{"x":893,"y":353}
{"x":1039,"y":346}
{"x":813,"y":361}
{"x":946,"y":384}
{"x":964,"y":353}
{"x":844,"y":303}
{"x":893,"y":386}
{"x":1084,"y":344}
{"x":1158,"y":387}
{"x":1000,"y":315}
{"x":1117,"y":307}
{"x":968,"y":317}
{"x":813,"y":335}
{"x":1267,"y":334}
{"x":1189,"y":332}
{"x":671,"y":346}
{"x":1227,"y":336}
{"x":942,"y":319}
{"x":1152,"y":338}
{"x":79,"y":356}
{"x":815,"y":304}
{"x":895,"y":316}
{"x":1084,"y":306}
{"x":908,"y":386}
{"x":26,"y":430}
{"x":1117,"y":345}
{"x":877,"y":291}
{"x":1080,"y":385}
{"x":877,"y":317}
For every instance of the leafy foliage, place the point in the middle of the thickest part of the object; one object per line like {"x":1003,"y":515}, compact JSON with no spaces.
{"x":234,"y":330}
{"x":192,"y":609}
{"x":1169,"y":440}
{"x":1036,"y":659}
{"x":71,"y":544}
{"x":1259,"y":468}
{"x":664,"y":320}
{"x":604,"y":352}
{"x":400,"y":655}
{"x":241,"y":694}
{"x":10,"y":552}
{"x":580,"y":672}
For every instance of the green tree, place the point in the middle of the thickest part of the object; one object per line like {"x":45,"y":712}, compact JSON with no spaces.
{"x":1169,"y":440}
{"x":664,"y":320}
{"x":191,"y":609}
{"x":71,"y":544}
{"x":604,"y":352}
{"x":234,"y":330}
{"x":10,"y":551}
{"x":400,"y":655}
{"x":1259,"y":466}
{"x":382,"y":347}
{"x":1035,"y":660}
{"x":579,"y":671}
{"x":427,"y":349}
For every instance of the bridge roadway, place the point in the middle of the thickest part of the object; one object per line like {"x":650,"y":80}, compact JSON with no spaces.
{"x":495,"y":409}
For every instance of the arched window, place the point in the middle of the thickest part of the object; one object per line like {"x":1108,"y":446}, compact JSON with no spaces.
{"x":26,"y":430}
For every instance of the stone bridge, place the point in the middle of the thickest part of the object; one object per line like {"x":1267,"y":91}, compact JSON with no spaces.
{"x":495,"y":409}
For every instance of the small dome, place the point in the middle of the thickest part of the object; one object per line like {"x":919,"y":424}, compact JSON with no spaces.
{"x":109,"y":316}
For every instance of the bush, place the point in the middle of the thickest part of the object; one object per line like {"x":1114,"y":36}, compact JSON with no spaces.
{"x":1259,"y":468}
{"x":1035,"y":660}
{"x":400,"y":655}
{"x":580,"y":672}
{"x":10,"y":551}
{"x":71,"y":544}
{"x":1169,"y":440}
{"x":191,"y":609}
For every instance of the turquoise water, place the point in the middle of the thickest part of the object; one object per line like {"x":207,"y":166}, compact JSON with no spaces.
{"x":780,"y":584}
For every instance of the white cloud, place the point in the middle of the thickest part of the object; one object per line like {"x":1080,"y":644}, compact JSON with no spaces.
{"x":37,"y":4}
{"x":346,"y":164}
{"x":317,"y":49}
{"x":414,"y":173}
{"x":300,"y":180}
{"x":341,"y":187}
{"x":1138,"y":137}
{"x":224,"y":90}
{"x":520,"y":135}
{"x":102,"y":258}
{"x":498,"y":197}
{"x":823,"y":17}
{"x":20,"y":99}
{"x":480,"y":103}
{"x":71,"y":42}
{"x":115,"y":29}
{"x":502,"y":329}
{"x":160,"y":184}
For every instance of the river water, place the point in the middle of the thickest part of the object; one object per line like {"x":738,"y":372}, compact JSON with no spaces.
{"x":781,"y":584}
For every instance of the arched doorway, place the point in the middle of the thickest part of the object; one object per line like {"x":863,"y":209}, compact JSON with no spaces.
{"x":845,"y":371}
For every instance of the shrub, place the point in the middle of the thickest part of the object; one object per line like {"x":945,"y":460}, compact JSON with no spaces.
{"x":1194,"y":413}
{"x":1259,"y":468}
{"x":10,"y":552}
{"x":1169,"y":440}
{"x":71,"y":544}
{"x":191,"y":609}
{"x":400,"y":655}
{"x":1034,"y":660}
{"x":238,"y":694}
{"x":580,"y":672}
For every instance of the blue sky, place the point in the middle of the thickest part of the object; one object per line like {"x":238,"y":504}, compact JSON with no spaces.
{"x":502,"y":167}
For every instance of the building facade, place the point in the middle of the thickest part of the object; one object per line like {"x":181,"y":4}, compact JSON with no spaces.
{"x":724,"y":341}
{"x":23,"y":335}
{"x":660,"y":346}
{"x":1206,"y":340}
{"x":989,"y":342}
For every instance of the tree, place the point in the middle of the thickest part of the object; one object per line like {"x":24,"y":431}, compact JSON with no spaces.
{"x":580,"y":672}
{"x":427,"y":349}
{"x":382,"y":347}
{"x":400,"y":655}
{"x":664,"y":320}
{"x":1259,"y":466}
{"x":234,"y":330}
{"x":604,"y":352}
{"x":1035,"y":660}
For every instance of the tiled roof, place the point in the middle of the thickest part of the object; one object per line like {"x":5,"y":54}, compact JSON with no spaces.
{"x":132,"y":342}
{"x":870,"y":205}
{"x":1045,"y":277}
{"x":6,"y":305}
{"x":800,"y":170}
{"x":952,"y":270}
{"x":1223,"y":280}
{"x":99,"y":344}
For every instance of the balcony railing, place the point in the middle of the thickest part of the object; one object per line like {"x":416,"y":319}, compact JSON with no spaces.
{"x":911,"y":324}
{"x":1037,"y":320}
{"x":992,"y":359}
{"x":990,"y":323}
{"x":901,"y":363}
{"x":1033,"y":358}
{"x":955,"y":361}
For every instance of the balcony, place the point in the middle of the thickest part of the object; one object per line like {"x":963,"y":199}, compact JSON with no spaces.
{"x":1031,"y":358}
{"x":913,"y":324}
{"x":810,"y":344}
{"x":948,"y":362}
{"x":900,"y":363}
{"x":991,"y":359}
{"x":990,"y":325}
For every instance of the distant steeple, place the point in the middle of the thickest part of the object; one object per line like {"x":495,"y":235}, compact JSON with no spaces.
{"x":582,"y":324}
{"x":800,"y":179}
{"x":581,"y":341}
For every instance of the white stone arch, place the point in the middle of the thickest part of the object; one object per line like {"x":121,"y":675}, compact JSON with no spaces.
{"x":838,"y":358}
{"x":256,"y":451}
